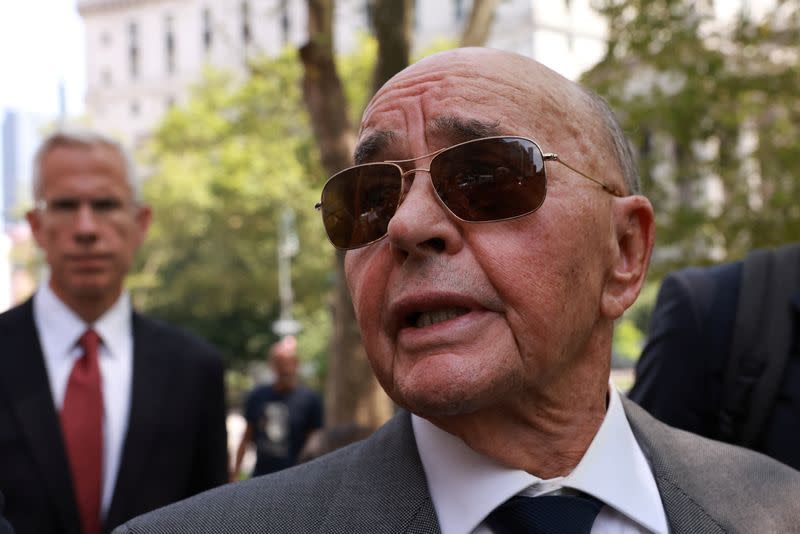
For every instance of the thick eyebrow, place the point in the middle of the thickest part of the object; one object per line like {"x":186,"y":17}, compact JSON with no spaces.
{"x":372,"y":145}
{"x":460,"y":130}
{"x":455,"y":128}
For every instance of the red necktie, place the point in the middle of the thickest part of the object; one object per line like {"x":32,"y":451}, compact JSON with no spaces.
{"x":82,"y":423}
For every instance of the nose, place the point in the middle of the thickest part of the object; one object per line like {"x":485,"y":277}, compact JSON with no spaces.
{"x":422,"y":225}
{"x":85,"y":223}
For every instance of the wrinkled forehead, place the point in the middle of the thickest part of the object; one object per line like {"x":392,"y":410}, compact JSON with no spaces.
{"x":85,"y":154}
{"x":81,"y":164}
{"x":454,"y":98}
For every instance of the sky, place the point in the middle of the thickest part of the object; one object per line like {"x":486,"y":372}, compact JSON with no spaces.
{"x":41,"y":43}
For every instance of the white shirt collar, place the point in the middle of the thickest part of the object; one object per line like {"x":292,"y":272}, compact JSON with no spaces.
{"x":466,"y":486}
{"x":61,"y":328}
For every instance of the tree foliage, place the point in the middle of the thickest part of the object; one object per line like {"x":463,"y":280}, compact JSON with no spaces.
{"x":711,"y":107}
{"x":223,"y":169}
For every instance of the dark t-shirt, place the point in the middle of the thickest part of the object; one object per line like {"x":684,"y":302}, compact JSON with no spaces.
{"x":281,"y":423}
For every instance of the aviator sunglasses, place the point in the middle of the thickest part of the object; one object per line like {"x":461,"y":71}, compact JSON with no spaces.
{"x":484,"y":180}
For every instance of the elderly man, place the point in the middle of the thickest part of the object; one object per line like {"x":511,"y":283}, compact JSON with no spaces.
{"x":104,"y":413}
{"x":487,"y":270}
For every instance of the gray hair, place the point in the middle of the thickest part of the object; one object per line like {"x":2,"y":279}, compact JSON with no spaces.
{"x":75,"y":137}
{"x":623,"y":150}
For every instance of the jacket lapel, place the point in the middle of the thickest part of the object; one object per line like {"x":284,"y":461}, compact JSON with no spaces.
{"x":384,"y":488}
{"x":24,"y":377}
{"x":684,"y":513}
{"x":151,"y":377}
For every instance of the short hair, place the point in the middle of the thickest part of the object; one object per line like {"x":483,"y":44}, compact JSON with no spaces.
{"x":77,"y":137}
{"x":626,"y":158}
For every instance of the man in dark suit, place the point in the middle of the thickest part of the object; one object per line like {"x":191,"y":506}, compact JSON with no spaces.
{"x":487,"y":313}
{"x":682,"y":374}
{"x":104,"y":413}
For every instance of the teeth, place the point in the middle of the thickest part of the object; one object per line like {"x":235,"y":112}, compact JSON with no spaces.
{"x":437,"y":316}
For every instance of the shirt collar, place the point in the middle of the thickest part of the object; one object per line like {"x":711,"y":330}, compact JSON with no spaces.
{"x":61,"y":328}
{"x":466,"y":486}
{"x":115,"y":325}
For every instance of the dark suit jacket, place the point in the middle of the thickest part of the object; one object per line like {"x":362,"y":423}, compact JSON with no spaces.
{"x":680,"y":375}
{"x":379,"y":486}
{"x":5,"y":526}
{"x":175,"y":445}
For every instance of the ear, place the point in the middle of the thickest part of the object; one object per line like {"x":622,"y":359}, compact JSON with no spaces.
{"x":34,"y":218}
{"x":144,"y":216}
{"x":634,"y":233}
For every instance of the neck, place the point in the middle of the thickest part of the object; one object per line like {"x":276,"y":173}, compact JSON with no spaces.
{"x":283,"y":387}
{"x":544,"y":431}
{"x":548,"y":443}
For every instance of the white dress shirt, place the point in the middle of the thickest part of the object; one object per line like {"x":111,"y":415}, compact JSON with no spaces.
{"x":59,"y":330}
{"x":466,"y":486}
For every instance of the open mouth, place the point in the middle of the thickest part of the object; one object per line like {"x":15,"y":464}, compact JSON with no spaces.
{"x":428,"y":318}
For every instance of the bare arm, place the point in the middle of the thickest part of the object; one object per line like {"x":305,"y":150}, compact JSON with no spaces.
{"x":247,"y":437}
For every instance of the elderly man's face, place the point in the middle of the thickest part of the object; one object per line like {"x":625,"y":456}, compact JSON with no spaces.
{"x":458,"y":317}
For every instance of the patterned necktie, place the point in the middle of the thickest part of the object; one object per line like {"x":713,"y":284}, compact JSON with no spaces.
{"x":82,"y":424}
{"x":547,"y":514}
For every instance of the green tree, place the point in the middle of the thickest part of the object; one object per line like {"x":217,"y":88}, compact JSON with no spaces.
{"x":223,"y":169}
{"x":712,"y":110}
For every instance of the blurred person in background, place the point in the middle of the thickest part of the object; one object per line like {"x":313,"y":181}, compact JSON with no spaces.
{"x":487,"y":272}
{"x":722,"y":357}
{"x":104,"y":413}
{"x":281,"y":417}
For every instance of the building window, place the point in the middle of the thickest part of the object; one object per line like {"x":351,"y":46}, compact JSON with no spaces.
{"x":170,"y":103}
{"x":458,"y":9}
{"x":105,"y":39}
{"x":286,"y":23}
{"x":207,"y":34}
{"x":169,"y":44}
{"x":135,"y":108}
{"x":368,"y":13}
{"x":133,"y":49}
{"x":105,"y":77}
{"x":246,"y":34}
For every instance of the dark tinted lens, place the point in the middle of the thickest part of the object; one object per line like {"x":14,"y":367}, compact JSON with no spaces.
{"x":358,"y":202}
{"x":490,"y":179}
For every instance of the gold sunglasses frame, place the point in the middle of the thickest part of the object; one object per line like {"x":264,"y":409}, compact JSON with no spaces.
{"x":546,"y":156}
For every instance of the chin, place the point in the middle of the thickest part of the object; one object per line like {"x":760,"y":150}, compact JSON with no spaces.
{"x":448,"y":386}
{"x":444,"y":401}
{"x":91,"y":291}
